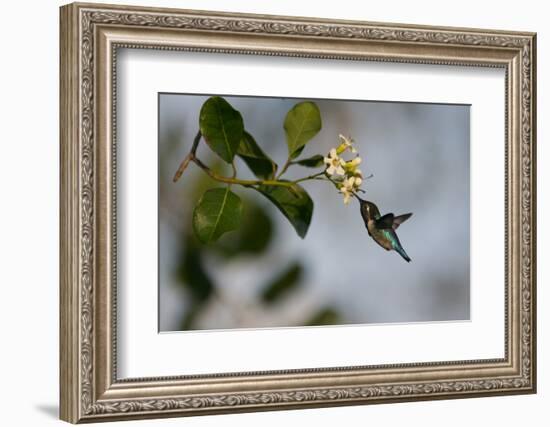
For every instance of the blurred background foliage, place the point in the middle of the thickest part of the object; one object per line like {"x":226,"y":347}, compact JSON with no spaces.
{"x":250,"y":240}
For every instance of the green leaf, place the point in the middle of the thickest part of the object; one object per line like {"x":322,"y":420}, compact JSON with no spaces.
{"x":293,"y":202}
{"x":218,"y":211}
{"x":286,"y":281}
{"x":258,"y":162}
{"x":221,"y":126}
{"x":302,"y":123}
{"x":312,"y":162}
{"x":252,"y":237}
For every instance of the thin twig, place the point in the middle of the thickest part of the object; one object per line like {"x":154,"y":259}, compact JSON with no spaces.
{"x":192,"y":157}
{"x":307,"y":178}
{"x":188,"y":158}
{"x":245,"y":182}
{"x":285,"y":167}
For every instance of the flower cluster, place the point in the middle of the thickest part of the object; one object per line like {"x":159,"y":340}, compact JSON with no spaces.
{"x":344,"y":173}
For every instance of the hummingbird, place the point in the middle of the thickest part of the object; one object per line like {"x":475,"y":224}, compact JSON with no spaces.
{"x":382,"y":228}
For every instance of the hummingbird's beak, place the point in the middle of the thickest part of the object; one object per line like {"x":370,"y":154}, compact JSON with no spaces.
{"x":359,"y":198}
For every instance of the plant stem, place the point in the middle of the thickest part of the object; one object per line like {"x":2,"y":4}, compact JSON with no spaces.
{"x":244,"y":182}
{"x":188,"y":158}
{"x":192,"y":157}
{"x":285,"y":167}
{"x":332,"y":182}
{"x":307,"y":178}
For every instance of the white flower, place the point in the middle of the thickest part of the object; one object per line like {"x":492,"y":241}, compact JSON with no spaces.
{"x":345,"y":144}
{"x":347,"y":197}
{"x":349,"y":177}
{"x":349,"y":186}
{"x":349,"y":183}
{"x":355,"y":162}
{"x":334,"y":163}
{"x":352,"y":166}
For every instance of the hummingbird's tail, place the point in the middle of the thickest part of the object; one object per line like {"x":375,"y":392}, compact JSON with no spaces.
{"x":402,"y":252}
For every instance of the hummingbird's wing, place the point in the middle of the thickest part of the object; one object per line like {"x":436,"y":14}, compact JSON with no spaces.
{"x":398,"y":220}
{"x":385,"y":222}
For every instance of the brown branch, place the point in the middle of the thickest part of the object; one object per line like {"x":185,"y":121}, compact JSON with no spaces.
{"x":188,"y":158}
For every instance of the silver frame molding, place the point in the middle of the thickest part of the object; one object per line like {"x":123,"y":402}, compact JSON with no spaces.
{"x":90,"y":37}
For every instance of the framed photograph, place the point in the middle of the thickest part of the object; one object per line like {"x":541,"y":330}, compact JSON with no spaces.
{"x":266,"y":212}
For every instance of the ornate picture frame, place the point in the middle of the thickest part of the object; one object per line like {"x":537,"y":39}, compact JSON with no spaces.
{"x":90,"y":37}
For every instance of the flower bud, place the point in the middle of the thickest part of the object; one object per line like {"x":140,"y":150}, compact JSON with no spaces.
{"x":345,"y":144}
